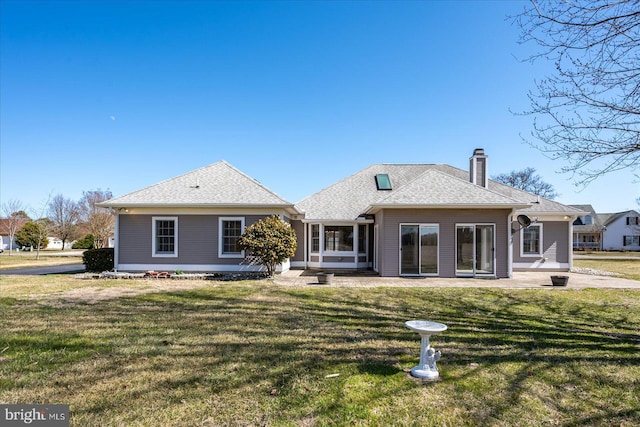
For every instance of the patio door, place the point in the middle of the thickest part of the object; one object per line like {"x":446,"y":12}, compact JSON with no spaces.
{"x":475,"y":249}
{"x":419,"y":249}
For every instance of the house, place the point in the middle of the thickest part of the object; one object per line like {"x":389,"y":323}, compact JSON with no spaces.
{"x":608,"y":231}
{"x":432,"y":220}
{"x":5,"y":241}
{"x":192,"y":222}
{"x":588,"y":229}
{"x":622,"y":231}
{"x":396,"y":219}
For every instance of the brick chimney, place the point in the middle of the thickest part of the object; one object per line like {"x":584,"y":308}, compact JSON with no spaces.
{"x":478,"y":170}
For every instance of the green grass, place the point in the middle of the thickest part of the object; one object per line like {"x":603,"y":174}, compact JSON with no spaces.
{"x":254,"y":353}
{"x":28,"y":259}
{"x":627,"y":268}
{"x":608,"y":253}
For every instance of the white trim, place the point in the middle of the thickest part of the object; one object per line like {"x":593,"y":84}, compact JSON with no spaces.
{"x":222,"y":219}
{"x":205,"y":210}
{"x":570,"y":247}
{"x":510,"y":234}
{"x":193,"y":267}
{"x":116,"y":243}
{"x":532,"y":255}
{"x":354,"y":242}
{"x":376,"y":242}
{"x":336,"y":265}
{"x":304,"y":246}
{"x":155,"y":219}
{"x":311,"y":251}
{"x":541,"y":264}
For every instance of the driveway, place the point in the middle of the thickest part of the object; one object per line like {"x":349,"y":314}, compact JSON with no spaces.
{"x":38,"y":271}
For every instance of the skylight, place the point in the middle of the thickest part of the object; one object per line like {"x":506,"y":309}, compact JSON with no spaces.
{"x":383,"y":182}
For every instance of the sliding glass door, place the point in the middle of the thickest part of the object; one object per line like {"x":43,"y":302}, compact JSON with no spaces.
{"x":418,"y":249}
{"x":475,"y":249}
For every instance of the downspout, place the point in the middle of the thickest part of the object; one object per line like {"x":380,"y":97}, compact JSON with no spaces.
{"x":510,"y":244}
{"x":305,"y":248}
{"x":116,"y":243}
{"x":571,"y":219}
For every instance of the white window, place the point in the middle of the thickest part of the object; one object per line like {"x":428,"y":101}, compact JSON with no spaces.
{"x":531,"y":241}
{"x":338,"y":238}
{"x":165,"y":237}
{"x":315,"y":238}
{"x":230,"y":229}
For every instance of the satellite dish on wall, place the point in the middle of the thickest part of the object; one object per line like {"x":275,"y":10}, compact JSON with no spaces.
{"x":524,"y":221}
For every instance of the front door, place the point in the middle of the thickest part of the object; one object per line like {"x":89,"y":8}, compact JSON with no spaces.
{"x":475,"y":249}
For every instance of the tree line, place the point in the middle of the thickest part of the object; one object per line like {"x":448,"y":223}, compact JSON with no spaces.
{"x":62,"y":218}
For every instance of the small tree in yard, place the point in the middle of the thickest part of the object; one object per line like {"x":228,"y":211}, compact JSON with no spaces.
{"x":33,"y":234}
{"x":270,"y":240}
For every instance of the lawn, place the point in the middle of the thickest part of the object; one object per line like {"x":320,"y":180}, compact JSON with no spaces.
{"x":28,"y":259}
{"x":628,"y":268}
{"x":255,"y":353}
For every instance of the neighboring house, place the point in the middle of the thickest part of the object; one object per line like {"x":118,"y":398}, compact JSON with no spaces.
{"x":588,"y":229}
{"x":622,"y":231}
{"x":192,"y":222}
{"x":399,"y":220}
{"x":5,"y":241}
{"x":609,"y":231}
{"x":56,"y":243}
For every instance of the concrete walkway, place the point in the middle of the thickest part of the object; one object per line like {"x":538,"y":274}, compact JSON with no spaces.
{"x":522,"y":280}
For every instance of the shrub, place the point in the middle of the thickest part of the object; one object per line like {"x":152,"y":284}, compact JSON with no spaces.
{"x":270,"y":240}
{"x":98,"y":260}
{"x":85,"y":243}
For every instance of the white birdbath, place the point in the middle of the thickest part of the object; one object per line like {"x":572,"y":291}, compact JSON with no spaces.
{"x":428,"y":356}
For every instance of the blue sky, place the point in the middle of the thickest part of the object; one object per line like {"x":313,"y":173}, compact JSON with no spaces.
{"x":120,"y":95}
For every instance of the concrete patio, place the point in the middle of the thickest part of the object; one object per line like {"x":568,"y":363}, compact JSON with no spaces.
{"x":520,"y":280}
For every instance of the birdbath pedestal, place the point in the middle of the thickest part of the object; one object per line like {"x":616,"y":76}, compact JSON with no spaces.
{"x":428,"y":356}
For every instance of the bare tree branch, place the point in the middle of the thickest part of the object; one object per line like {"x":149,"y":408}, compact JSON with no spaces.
{"x":588,"y":111}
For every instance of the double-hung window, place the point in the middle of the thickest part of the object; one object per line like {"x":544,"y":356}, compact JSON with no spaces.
{"x":362,"y":238}
{"x":531,"y":240}
{"x":631,"y":241}
{"x":315,"y":238}
{"x":230,"y":229}
{"x":165,"y":237}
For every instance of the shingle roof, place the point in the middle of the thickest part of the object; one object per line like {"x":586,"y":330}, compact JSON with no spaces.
{"x":538,"y":205}
{"x":436,"y":188}
{"x":419,"y":185}
{"x":350,"y":197}
{"x":218,"y":184}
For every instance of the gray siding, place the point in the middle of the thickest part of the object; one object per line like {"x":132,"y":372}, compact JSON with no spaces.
{"x":298,"y":227}
{"x":447,"y":219}
{"x":555,"y":243}
{"x":197,"y":240}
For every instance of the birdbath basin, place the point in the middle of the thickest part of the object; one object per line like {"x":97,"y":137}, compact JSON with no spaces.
{"x":428,"y":356}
